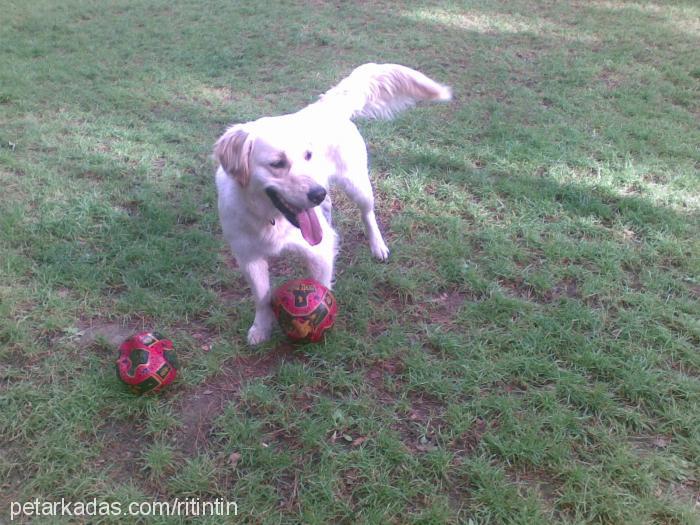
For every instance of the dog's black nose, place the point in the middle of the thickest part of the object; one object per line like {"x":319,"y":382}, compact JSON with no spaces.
{"x":317,"y":194}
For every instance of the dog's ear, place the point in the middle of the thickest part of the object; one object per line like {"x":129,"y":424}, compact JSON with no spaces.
{"x":232,"y":151}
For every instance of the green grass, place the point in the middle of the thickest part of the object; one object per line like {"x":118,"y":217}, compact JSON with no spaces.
{"x":528,"y":355}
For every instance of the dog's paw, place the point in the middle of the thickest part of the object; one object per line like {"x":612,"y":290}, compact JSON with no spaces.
{"x":380,"y":251}
{"x":258,"y":334}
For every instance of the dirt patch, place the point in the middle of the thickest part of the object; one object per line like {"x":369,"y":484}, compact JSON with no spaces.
{"x":421,"y":428}
{"x":197,"y":413}
{"x":567,"y":287}
{"x":113,"y":333}
{"x":392,"y":366}
{"x":425,"y":407}
{"x":686,"y":488}
{"x":205,"y":402}
{"x":377,"y":328}
{"x":467,"y":442}
{"x":513,"y":388}
{"x":419,"y":425}
{"x":694,"y":290}
{"x":124,"y":446}
{"x":610,"y":79}
{"x":351,"y":479}
{"x":687,"y":492}
{"x":646,"y":445}
{"x":394,"y":297}
{"x":235,"y":293}
{"x":15,"y":359}
{"x":518,"y":288}
{"x":683,"y":367}
{"x":634,"y":281}
{"x":287,"y":486}
{"x":444,"y":308}
{"x":376,"y":374}
{"x":15,"y":470}
{"x":539,"y":482}
{"x":192,"y":334}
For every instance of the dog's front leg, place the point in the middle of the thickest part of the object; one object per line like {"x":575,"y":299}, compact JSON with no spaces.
{"x":320,"y":268}
{"x":258,"y":275}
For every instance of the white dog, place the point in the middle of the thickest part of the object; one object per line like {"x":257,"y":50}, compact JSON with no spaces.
{"x":274,"y":172}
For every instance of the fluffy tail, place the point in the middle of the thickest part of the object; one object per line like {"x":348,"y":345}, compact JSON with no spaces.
{"x":380,"y":91}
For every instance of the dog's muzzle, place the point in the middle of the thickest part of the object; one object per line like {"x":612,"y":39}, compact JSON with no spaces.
{"x":303,"y":218}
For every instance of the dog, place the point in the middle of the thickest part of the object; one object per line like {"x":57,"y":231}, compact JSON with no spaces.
{"x":274,"y":175}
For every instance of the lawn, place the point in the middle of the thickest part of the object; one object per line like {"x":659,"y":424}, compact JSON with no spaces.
{"x":529,"y":354}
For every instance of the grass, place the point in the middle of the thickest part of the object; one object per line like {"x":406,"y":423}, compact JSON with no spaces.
{"x":528,"y":355}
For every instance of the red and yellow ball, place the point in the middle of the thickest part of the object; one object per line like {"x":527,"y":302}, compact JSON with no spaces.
{"x":147,"y":362}
{"x":305,"y":309}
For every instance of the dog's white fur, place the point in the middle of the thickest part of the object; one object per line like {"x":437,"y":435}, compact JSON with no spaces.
{"x":296,"y":157}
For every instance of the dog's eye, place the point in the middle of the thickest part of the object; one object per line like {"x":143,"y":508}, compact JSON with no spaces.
{"x":278,"y":164}
{"x":307,"y":155}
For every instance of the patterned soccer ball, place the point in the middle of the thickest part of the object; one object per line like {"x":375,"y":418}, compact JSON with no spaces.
{"x":147,"y":362}
{"x":305,"y":309}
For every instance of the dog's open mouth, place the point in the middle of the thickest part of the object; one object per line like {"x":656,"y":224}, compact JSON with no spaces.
{"x":304,"y":219}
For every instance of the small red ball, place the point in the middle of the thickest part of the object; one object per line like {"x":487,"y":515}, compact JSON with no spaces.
{"x":147,"y":362}
{"x":305,"y":309}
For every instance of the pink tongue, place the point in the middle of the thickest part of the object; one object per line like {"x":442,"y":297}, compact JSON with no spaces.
{"x":310,"y":227}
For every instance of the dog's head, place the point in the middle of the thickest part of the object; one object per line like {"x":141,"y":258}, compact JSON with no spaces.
{"x":267,"y":158}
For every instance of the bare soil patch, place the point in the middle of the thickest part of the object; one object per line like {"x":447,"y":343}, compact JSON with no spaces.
{"x":111,"y":332}
{"x":443,"y":309}
{"x":201,"y":405}
{"x":124,"y":445}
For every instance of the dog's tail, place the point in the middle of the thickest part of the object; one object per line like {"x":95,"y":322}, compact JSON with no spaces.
{"x":380,"y":91}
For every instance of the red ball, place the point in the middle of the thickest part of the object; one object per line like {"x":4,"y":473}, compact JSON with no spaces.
{"x":147,"y":362}
{"x":305,"y":309}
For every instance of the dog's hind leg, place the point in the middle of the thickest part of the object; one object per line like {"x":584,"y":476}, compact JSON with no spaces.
{"x":359,"y":188}
{"x":258,"y":275}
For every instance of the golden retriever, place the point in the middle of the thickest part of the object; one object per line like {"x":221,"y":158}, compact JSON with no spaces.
{"x":274,"y":175}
